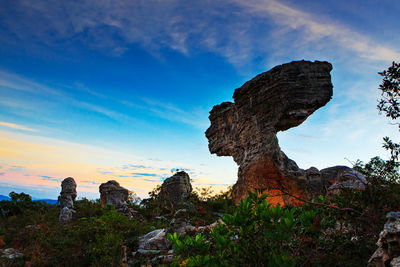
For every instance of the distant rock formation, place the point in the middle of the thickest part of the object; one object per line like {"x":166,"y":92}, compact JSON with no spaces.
{"x":177,"y":187}
{"x":388,"y":253}
{"x":66,"y":199}
{"x":114,"y":194}
{"x":246,"y":129}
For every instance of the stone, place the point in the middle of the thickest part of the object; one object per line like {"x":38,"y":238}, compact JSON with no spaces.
{"x":66,"y":199}
{"x":388,"y":251}
{"x":10,"y":253}
{"x":177,"y":187}
{"x":343,"y":177}
{"x":155,"y":240}
{"x":112,"y":193}
{"x":395,"y":262}
{"x":66,"y":215}
{"x":246,"y":129}
{"x":68,"y":193}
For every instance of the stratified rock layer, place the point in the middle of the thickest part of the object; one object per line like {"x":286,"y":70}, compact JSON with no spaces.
{"x":177,"y":187}
{"x":273,"y":101}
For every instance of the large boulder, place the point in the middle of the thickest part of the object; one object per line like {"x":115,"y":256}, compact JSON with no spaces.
{"x":155,"y":240}
{"x":246,"y":129}
{"x":68,"y":193}
{"x":66,"y":199}
{"x":177,"y":187}
{"x":112,"y":193}
{"x":388,"y":252}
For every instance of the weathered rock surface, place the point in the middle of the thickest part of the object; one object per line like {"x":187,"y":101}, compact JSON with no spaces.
{"x":66,"y":214}
{"x":273,"y":101}
{"x":68,"y":193}
{"x":155,"y":240}
{"x":389,"y":243}
{"x":114,"y":194}
{"x":66,"y":199}
{"x":177,"y":187}
{"x":343,"y":177}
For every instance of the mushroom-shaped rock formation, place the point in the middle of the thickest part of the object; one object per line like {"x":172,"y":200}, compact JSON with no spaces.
{"x":177,"y":187}
{"x":246,"y":129}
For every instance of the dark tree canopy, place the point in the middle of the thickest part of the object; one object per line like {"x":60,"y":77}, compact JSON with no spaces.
{"x":389,"y":104}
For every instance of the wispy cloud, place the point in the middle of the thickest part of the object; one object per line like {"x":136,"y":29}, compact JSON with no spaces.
{"x":17,"y":126}
{"x":314,"y":29}
{"x":238,"y":30}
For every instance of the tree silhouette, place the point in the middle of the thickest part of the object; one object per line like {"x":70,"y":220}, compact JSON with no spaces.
{"x":389,"y":104}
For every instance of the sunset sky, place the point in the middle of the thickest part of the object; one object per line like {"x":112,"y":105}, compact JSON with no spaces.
{"x":121,"y":90}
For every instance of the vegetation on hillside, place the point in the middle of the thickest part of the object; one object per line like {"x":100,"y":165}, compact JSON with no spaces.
{"x":334,"y":230}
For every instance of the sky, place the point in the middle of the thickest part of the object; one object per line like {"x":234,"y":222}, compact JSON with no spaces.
{"x":121,"y":90}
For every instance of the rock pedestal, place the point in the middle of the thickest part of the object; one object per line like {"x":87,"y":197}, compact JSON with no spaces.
{"x":246,"y":129}
{"x":66,"y":199}
{"x":177,"y":187}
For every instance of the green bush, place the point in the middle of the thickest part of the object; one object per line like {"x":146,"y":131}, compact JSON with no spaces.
{"x":256,"y":234}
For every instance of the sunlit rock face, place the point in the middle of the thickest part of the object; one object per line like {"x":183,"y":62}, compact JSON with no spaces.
{"x":246,"y":129}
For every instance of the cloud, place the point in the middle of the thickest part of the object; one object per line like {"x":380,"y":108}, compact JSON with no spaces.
{"x":312,"y":30}
{"x":240,"y":31}
{"x":17,"y":126}
{"x":90,"y":182}
{"x":138,"y":174}
{"x":49,"y":178}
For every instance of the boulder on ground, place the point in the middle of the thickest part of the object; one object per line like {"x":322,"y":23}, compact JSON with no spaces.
{"x":155,"y":240}
{"x":114,"y":194}
{"x":177,"y":187}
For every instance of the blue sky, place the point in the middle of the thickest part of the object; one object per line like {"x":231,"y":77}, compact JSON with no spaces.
{"x":121,"y":90}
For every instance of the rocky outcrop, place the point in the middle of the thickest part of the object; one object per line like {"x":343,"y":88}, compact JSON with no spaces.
{"x":177,"y":187}
{"x":389,"y":243}
{"x":246,"y":129}
{"x":68,"y":193}
{"x":342,"y":177}
{"x":114,"y":194}
{"x":66,"y":199}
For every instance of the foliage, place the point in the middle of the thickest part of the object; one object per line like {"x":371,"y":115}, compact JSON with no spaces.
{"x":256,"y":234}
{"x":390,"y":101}
{"x":95,"y":237}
